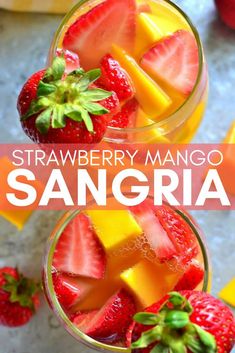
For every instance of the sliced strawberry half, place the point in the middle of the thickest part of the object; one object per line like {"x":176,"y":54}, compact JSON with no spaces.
{"x":82,"y":319}
{"x":191,"y":278}
{"x":156,"y":235}
{"x":175,"y":60}
{"x":179,"y":233}
{"x":79,"y":251}
{"x":69,"y":290}
{"x":110,"y":323}
{"x":127,"y":116}
{"x":93,"y":34}
{"x":114,"y":78}
{"x":72,"y":59}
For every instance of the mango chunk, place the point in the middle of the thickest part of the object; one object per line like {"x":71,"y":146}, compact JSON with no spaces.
{"x":228,"y":293}
{"x":230,"y":137}
{"x":149,"y":282}
{"x":151,"y":97}
{"x":17,"y":218}
{"x":114,"y":228}
{"x":154,"y":134}
{"x":147,"y":33}
{"x":150,"y":29}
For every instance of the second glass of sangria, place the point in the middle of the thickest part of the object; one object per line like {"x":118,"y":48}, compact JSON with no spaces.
{"x":103,"y":266}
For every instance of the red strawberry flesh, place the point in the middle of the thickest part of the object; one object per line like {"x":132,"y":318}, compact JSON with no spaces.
{"x":82,"y":319}
{"x":179,"y":232}
{"x":175,"y":60}
{"x":93,"y":34}
{"x":114,"y":78}
{"x":79,"y":251}
{"x":191,"y":278}
{"x":111,"y":322}
{"x":156,"y":235}
{"x":72,"y":59}
{"x":29,"y":92}
{"x":69,"y":290}
{"x":127,"y":116}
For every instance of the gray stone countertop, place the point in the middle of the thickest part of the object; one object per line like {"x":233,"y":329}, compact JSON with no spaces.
{"x":24,"y":42}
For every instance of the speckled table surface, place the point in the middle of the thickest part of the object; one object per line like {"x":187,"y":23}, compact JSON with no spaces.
{"x":24,"y":41}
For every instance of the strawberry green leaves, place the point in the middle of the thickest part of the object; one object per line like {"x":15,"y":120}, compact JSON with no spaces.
{"x":72,"y":96}
{"x":21,"y":290}
{"x":172,"y":331}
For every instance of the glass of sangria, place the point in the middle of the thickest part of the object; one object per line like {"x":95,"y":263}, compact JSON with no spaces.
{"x":103,"y":266}
{"x":151,"y":56}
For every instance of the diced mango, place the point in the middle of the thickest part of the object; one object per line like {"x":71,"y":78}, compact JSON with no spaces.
{"x":114,"y":228}
{"x":17,"y":218}
{"x":149,"y":282}
{"x":153,"y":135}
{"x":150,"y":29}
{"x":228,"y":293}
{"x":230,"y":137}
{"x":147,"y":33}
{"x":151,"y":97}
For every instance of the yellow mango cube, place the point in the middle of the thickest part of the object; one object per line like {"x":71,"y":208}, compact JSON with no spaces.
{"x":150,"y":29}
{"x":17,"y":218}
{"x":149,"y":282}
{"x":151,"y":97}
{"x":147,"y":33}
{"x":228,"y":293}
{"x":230,"y":137}
{"x":114,"y":228}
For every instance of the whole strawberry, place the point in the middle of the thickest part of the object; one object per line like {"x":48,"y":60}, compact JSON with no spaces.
{"x":184,"y":322}
{"x":18,"y":298}
{"x":56,"y":107}
{"x":226,"y":10}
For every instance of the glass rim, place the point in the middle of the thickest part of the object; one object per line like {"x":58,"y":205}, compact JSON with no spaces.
{"x":49,"y":288}
{"x":172,"y":116}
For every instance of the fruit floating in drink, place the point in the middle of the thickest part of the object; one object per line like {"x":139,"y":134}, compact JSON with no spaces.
{"x":103,"y":267}
{"x":150,"y":55}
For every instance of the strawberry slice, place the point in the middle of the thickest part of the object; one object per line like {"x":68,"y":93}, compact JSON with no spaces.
{"x":69,"y":290}
{"x":111,"y":322}
{"x":175,"y":60}
{"x":156,"y":235}
{"x":179,"y":232}
{"x":72,"y":60}
{"x":81,"y":319}
{"x":192,"y":277}
{"x":114,"y":78}
{"x":79,"y":251}
{"x":127,"y":116}
{"x":93,"y":34}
